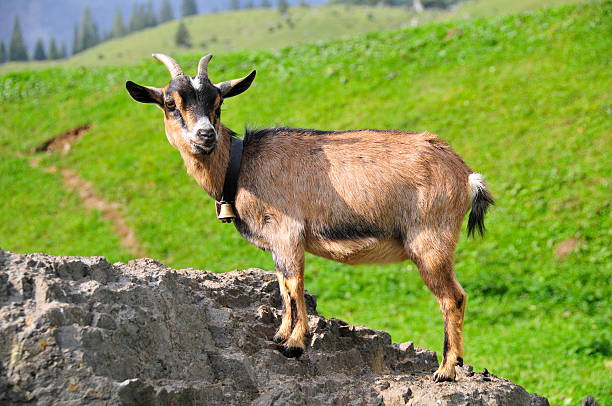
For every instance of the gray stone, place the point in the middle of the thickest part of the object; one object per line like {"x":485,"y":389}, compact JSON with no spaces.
{"x":80,"y":331}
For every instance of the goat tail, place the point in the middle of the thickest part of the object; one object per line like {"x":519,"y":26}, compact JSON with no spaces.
{"x":481,"y":200}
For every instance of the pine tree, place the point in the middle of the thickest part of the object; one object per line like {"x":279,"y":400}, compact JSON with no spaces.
{"x":53,"y":51}
{"x":17,"y":48}
{"x":149,"y":15}
{"x":165,"y":13}
{"x":95,"y":35}
{"x":76,"y":46}
{"x":234,"y":4}
{"x":2,"y":52}
{"x":39,"y":51}
{"x":118,"y":29}
{"x":265,"y":4}
{"x":249,"y":4}
{"x":136,"y":18}
{"x":63,"y":52}
{"x":133,"y":18}
{"x":88,"y":35}
{"x":304,"y":3}
{"x":182,"y":37}
{"x":283,"y":6}
{"x":189,"y":8}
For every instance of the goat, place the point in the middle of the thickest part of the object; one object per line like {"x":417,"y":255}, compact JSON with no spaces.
{"x":358,"y":196}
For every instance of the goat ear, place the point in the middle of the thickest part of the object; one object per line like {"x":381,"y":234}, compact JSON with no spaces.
{"x":144,"y":94}
{"x":234,"y":87}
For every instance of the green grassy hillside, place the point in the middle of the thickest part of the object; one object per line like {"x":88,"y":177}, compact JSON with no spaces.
{"x":266,"y":29}
{"x":250,"y":29}
{"x":493,"y":8}
{"x":524,"y":99}
{"x":237,"y":30}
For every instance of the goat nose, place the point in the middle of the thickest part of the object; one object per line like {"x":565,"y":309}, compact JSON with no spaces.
{"x":206,"y":134}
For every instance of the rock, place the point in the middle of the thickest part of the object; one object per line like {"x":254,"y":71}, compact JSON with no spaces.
{"x":81,"y":331}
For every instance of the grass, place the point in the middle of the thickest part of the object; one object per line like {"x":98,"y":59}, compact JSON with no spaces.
{"x":266,"y":29}
{"x":495,"y":8}
{"x":524,"y":99}
{"x":37,"y":215}
{"x":232,"y":31}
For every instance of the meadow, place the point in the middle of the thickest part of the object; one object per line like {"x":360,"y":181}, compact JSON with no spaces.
{"x":259,"y":29}
{"x":525,"y":101}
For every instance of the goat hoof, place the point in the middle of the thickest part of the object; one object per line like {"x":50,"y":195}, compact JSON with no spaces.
{"x":442,"y":377}
{"x":278,"y":339}
{"x":291,"y":352}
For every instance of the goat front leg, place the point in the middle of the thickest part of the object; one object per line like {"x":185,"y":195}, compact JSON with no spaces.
{"x":292,"y":332}
{"x":284,"y":331}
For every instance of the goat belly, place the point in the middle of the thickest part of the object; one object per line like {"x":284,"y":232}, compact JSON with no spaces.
{"x":359,"y":251}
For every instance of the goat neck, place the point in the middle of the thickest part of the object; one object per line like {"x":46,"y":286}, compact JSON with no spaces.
{"x":209,"y":170}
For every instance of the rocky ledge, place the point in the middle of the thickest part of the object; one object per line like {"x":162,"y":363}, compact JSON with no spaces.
{"x":79,"y":330}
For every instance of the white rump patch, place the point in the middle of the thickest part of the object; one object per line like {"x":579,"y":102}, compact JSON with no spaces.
{"x":196,"y":83}
{"x":477,"y":183}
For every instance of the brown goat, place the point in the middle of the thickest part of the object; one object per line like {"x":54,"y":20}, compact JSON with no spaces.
{"x":359,"y":196}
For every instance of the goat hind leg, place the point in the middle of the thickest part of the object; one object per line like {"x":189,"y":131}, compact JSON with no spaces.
{"x":436,"y":269}
{"x":453,"y":310}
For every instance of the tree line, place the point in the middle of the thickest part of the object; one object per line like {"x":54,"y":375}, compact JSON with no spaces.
{"x":143,"y":16}
{"x":86,"y":34}
{"x":17,"y":51}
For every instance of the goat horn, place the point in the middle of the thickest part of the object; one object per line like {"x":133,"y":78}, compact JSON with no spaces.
{"x":171,"y":64}
{"x":203,"y":65}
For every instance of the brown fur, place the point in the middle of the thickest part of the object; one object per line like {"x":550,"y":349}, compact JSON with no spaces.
{"x":201,"y":167}
{"x":294,"y":184}
{"x":361,"y":196}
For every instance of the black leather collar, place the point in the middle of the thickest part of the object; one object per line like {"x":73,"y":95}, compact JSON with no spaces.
{"x":225,"y":208}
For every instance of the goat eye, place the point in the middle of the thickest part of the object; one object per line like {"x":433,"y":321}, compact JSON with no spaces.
{"x":170,"y":105}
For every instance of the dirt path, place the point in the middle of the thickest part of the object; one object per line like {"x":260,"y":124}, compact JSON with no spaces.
{"x":64,"y":141}
{"x":111,"y":211}
{"x":90,"y":198}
